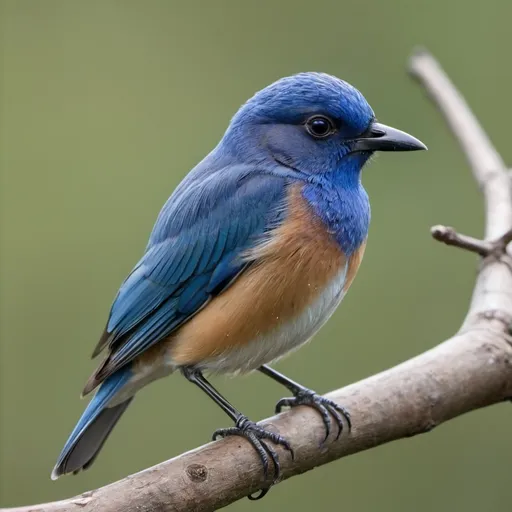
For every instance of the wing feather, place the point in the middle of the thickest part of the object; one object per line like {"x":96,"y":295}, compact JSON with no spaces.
{"x":180,"y":272}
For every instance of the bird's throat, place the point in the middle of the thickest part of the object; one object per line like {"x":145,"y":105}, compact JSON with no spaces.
{"x":341,"y":202}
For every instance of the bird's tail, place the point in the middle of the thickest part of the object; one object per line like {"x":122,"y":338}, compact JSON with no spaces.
{"x":94,"y":427}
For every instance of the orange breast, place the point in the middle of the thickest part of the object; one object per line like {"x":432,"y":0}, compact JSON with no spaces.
{"x":353,"y":265}
{"x":291,"y":270}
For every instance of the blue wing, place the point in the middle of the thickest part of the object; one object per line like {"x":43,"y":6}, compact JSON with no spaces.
{"x":193,"y":254}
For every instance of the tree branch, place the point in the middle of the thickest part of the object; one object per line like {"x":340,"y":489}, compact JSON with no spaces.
{"x":488,"y":167}
{"x":473,"y":369}
{"x":449,"y":236}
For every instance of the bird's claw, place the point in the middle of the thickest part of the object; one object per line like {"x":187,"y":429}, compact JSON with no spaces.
{"x":258,"y":436}
{"x":325,"y":407}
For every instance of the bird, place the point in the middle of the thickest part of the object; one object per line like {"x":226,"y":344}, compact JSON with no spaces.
{"x":249,"y":257}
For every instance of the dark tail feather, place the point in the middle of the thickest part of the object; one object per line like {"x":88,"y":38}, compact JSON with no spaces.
{"x":88,"y":446}
{"x":93,"y":428}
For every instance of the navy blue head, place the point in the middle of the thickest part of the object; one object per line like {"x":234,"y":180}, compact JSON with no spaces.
{"x":312,"y":123}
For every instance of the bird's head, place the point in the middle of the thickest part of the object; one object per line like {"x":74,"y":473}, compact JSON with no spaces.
{"x":312,"y":123}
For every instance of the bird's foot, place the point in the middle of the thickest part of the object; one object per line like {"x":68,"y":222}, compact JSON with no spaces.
{"x":258,"y":437}
{"x":327,"y":409}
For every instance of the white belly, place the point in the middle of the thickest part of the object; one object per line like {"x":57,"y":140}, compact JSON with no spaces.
{"x":287,"y":337}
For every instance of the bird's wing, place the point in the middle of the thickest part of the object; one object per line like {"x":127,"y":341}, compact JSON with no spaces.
{"x":193,"y":254}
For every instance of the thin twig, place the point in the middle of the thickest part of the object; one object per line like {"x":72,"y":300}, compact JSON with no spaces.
{"x":471,"y":370}
{"x":449,"y":236}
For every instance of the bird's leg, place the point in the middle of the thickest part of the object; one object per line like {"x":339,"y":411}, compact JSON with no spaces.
{"x":244,"y":427}
{"x":304,"y":396}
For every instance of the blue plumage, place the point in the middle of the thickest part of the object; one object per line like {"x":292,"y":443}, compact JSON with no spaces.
{"x":93,"y":427}
{"x":309,"y":130}
{"x":223,"y":220}
{"x":289,"y":99}
{"x":346,"y":213}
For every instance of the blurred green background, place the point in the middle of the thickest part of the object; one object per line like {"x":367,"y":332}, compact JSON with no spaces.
{"x":105,"y":106}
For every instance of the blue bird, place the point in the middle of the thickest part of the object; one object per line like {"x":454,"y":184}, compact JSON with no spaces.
{"x":248,"y":258}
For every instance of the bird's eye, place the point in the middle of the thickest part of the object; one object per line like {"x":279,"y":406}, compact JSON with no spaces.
{"x":319,"y":127}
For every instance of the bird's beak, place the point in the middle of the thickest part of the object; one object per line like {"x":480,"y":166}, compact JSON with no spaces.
{"x":380,"y":137}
